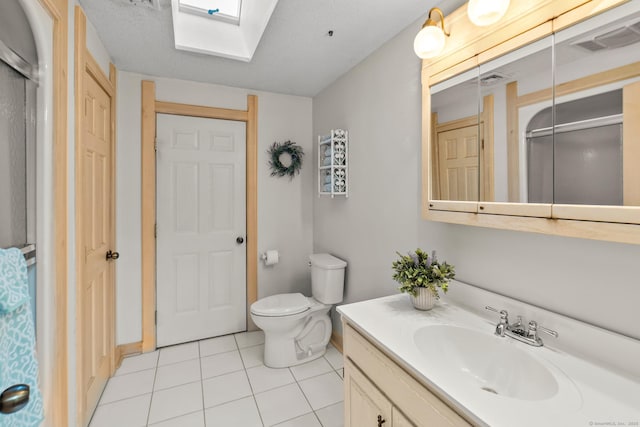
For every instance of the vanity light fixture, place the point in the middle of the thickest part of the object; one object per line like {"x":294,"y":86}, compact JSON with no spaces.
{"x":429,"y":42}
{"x":486,"y":12}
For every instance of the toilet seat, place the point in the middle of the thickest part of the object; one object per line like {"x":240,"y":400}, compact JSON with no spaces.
{"x":280,"y":305}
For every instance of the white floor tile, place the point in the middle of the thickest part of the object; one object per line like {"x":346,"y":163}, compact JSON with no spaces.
{"x":225,"y":388}
{"x":263,"y":378}
{"x":176,"y":401}
{"x":281,"y":404}
{"x":217,"y":345}
{"x":139,"y":362}
{"x":164,"y":388}
{"x":308,"y":420}
{"x":311,"y":369}
{"x":334,"y":357}
{"x":195,"y":419}
{"x":178,"y":353}
{"x":177,"y":373}
{"x":324,"y":390}
{"x":243,"y":412}
{"x":124,"y":413}
{"x":332,"y":416}
{"x":129,"y":385}
{"x":249,"y":339}
{"x":252,"y":356}
{"x":220,"y":364}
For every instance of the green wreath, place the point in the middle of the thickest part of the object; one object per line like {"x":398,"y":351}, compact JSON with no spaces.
{"x":294,"y":151}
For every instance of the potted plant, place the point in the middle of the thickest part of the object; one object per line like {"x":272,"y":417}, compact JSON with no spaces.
{"x":421,"y":276}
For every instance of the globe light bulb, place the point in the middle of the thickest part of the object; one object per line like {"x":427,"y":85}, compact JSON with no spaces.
{"x":429,"y":42}
{"x":486,"y":12}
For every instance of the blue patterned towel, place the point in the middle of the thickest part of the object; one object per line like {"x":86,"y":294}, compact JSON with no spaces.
{"x":18,"y":364}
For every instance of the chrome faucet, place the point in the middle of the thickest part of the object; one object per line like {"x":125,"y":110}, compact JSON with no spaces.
{"x":504,"y":321}
{"x":532,"y":333}
{"x":515,"y":330}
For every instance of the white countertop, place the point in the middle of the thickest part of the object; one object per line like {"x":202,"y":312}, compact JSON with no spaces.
{"x":588,"y":394}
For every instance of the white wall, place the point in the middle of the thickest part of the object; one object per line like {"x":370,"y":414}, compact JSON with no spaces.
{"x":284,"y":206}
{"x":379,"y":103}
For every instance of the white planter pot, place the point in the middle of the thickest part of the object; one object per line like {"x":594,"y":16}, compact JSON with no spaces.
{"x":424,"y":299}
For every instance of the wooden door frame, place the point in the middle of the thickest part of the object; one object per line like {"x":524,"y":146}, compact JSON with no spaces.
{"x":86,"y":65}
{"x":58,"y":12}
{"x":150,"y":107}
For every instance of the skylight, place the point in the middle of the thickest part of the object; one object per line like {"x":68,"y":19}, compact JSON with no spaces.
{"x":223,"y":10}
{"x":228,"y":28}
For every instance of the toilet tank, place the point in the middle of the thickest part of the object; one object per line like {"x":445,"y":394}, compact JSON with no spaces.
{"x":327,"y":278}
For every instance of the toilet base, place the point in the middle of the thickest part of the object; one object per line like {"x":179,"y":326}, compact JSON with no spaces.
{"x":306,"y":343}
{"x":285,"y":359}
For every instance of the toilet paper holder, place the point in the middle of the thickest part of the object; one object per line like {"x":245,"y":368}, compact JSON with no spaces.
{"x":270,"y":260}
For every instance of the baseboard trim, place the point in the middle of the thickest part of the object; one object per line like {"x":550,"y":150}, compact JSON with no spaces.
{"x":125,"y":350}
{"x":336,"y":340}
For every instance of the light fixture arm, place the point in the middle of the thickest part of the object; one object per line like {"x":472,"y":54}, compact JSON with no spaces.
{"x":430,"y":21}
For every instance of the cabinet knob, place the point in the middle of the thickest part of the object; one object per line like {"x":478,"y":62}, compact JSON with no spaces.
{"x":381,"y":421}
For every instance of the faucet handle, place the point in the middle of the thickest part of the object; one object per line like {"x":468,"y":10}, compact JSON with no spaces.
{"x":504,"y":315}
{"x":534,"y":327}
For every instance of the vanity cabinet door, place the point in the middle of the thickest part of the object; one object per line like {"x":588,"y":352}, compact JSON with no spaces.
{"x":364,"y":404}
{"x":399,"y":420}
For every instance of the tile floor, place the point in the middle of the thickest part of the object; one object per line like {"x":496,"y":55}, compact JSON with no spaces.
{"x":222,"y":382}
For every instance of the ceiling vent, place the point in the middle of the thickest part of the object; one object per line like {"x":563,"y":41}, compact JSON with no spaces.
{"x":492,"y":79}
{"x":613,"y":39}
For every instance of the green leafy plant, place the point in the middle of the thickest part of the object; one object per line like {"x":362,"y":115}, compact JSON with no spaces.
{"x":419,"y":270}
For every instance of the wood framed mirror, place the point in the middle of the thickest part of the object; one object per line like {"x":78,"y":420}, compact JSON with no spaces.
{"x":554,"y":144}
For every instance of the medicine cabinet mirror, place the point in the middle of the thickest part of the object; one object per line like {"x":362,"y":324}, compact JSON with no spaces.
{"x":546,"y":128}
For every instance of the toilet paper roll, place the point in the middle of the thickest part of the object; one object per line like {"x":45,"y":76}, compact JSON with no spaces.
{"x":271,"y":257}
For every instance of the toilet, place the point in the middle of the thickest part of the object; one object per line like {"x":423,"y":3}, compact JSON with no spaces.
{"x":297,"y":328}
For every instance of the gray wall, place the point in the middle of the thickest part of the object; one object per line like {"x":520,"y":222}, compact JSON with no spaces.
{"x":15,"y":31}
{"x":379,"y":102}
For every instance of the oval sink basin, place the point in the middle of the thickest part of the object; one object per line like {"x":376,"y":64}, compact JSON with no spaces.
{"x":486,"y":361}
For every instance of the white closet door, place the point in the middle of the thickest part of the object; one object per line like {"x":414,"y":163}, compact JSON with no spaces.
{"x":201,"y":217}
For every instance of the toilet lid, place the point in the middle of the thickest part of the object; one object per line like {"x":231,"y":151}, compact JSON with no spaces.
{"x":280,"y":305}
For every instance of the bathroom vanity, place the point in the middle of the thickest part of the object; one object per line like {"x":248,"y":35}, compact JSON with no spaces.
{"x":379,"y":389}
{"x":446,"y":367}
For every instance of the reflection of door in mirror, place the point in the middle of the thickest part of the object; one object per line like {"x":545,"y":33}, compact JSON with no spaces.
{"x":458,"y":161}
{"x":456,"y":143}
{"x":462,"y":160}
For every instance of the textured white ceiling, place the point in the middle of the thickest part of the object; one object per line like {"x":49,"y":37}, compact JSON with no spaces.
{"x":295,"y":55}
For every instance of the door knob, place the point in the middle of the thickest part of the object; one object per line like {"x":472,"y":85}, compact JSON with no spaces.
{"x":239,"y":240}
{"x":112,"y":255}
{"x":381,"y":421}
{"x":14,"y":398}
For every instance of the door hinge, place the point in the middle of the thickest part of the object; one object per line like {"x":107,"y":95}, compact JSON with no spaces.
{"x":155,"y":230}
{"x":155,"y":145}
{"x":483,"y":144}
{"x":155,"y":317}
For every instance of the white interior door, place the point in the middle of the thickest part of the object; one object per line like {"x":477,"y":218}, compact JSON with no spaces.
{"x":201,"y":218}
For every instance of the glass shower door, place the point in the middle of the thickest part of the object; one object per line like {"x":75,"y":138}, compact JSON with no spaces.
{"x":17,"y":165}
